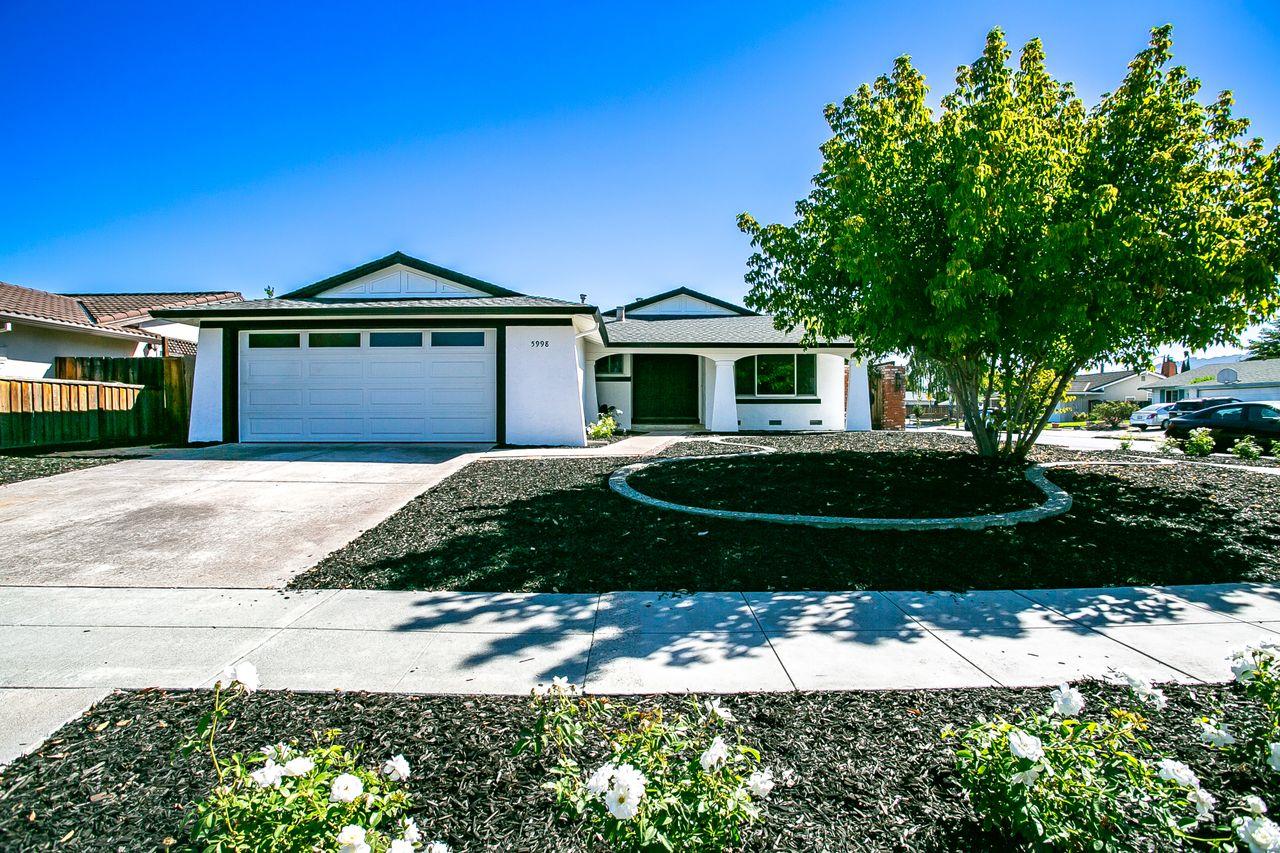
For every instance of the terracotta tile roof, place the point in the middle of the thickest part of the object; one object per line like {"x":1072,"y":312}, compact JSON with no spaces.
{"x":42,"y":305}
{"x":112,"y":308}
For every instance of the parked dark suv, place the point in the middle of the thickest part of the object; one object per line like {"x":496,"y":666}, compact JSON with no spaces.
{"x":1186,"y":407}
{"x":1232,"y":421}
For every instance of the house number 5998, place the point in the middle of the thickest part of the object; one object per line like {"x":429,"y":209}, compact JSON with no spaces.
{"x":539,"y":343}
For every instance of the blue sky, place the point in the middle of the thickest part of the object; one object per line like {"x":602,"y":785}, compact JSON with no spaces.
{"x":556,"y":149}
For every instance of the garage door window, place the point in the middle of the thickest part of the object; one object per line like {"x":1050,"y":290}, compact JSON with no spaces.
{"x":457,"y":339}
{"x":317,"y":340}
{"x":274,"y":340}
{"x":395,"y":339}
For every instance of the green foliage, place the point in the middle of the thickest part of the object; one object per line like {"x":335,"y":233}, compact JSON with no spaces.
{"x":681,"y":782}
{"x":1094,"y":785}
{"x":1257,"y":669}
{"x":1015,"y":236}
{"x":1275,"y":448}
{"x":1246,"y":448}
{"x":1268,"y":343}
{"x":298,"y":812}
{"x":1113,"y":412}
{"x":1126,"y":444}
{"x":605,"y":427}
{"x":1200,"y":444}
{"x":291,"y":799}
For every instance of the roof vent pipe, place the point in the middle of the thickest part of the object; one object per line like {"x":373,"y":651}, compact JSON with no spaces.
{"x":621,"y":312}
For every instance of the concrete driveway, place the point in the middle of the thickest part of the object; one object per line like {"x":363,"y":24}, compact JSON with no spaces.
{"x":243,"y":515}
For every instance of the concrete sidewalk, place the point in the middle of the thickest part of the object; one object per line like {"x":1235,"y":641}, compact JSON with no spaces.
{"x":62,"y":648}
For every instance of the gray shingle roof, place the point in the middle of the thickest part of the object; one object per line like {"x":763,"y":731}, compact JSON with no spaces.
{"x":1264,"y":371}
{"x":456,"y":304}
{"x":1094,"y":381}
{"x":749,"y":331}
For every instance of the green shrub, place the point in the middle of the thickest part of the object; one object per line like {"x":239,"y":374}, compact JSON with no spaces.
{"x":1246,"y":448}
{"x":1200,"y":443}
{"x":1112,"y":412}
{"x":1275,"y":448}
{"x":288,"y":798}
{"x":1056,"y":781}
{"x":681,"y":782}
{"x":603,"y":428}
{"x":1126,"y":444}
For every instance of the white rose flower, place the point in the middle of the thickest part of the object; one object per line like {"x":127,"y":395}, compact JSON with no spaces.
{"x":1067,"y":701}
{"x":622,"y":802}
{"x":268,"y":775}
{"x":628,"y":777}
{"x":1146,"y":691}
{"x":1260,"y":834}
{"x":436,"y":847}
{"x":396,"y":769}
{"x":715,"y":756}
{"x":409,"y":830}
{"x":244,"y":673}
{"x":1273,"y":760}
{"x":600,"y":781}
{"x":760,"y":783}
{"x":276,"y":751}
{"x":1023,"y":745}
{"x":1255,"y":804}
{"x":788,"y":777}
{"x":1179,"y":773}
{"x":299,"y":766}
{"x":345,"y":789}
{"x":1204,"y":803}
{"x":399,"y":845}
{"x":560,"y":684}
{"x":716,"y":709}
{"x":1242,"y":667}
{"x":1216,"y":734}
{"x":351,"y":835}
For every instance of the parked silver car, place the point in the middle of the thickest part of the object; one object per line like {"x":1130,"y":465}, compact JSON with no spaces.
{"x":1156,"y":415}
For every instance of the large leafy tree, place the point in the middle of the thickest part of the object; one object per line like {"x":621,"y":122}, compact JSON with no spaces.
{"x":1013,"y":236}
{"x":1268,"y":343}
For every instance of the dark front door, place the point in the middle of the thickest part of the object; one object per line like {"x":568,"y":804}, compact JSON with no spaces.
{"x":664,"y":389}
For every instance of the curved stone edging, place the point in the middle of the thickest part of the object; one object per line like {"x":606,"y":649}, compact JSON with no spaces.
{"x":1057,"y":500}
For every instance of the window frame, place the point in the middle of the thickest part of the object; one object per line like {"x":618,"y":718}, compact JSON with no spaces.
{"x":265,"y":336}
{"x":622,"y":364}
{"x":458,"y":335}
{"x":357,"y":345}
{"x":795,"y":394}
{"x":418,"y":345}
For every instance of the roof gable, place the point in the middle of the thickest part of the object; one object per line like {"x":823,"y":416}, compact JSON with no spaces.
{"x":684,"y":302}
{"x":399,"y":276}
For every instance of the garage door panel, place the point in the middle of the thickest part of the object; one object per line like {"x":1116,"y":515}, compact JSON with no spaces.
{"x":327,"y":369}
{"x":274,"y":368}
{"x":428,"y":393}
{"x":470,"y":369}
{"x":348,"y":397}
{"x":273,"y":397}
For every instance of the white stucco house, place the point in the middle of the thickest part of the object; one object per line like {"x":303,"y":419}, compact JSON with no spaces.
{"x":1243,"y":380}
{"x":1089,"y":389}
{"x":37,"y":326}
{"x":400,"y":349}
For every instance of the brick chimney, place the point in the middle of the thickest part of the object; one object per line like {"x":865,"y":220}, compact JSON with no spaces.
{"x":1168,"y":367}
{"x":893,"y":391}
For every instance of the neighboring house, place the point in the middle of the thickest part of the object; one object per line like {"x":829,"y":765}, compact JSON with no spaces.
{"x":37,"y":326}
{"x":1244,"y":380}
{"x":399,"y":349}
{"x":1089,"y":389}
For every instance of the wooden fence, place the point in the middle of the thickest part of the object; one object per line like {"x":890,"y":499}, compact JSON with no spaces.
{"x":98,"y":401}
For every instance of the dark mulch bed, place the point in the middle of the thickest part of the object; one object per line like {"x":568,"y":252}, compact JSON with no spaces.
{"x":871,"y":771}
{"x":901,"y":484}
{"x":15,"y":468}
{"x":552,"y":525}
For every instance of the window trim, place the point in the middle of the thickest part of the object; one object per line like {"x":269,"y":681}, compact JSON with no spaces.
{"x":296,"y":336}
{"x":357,"y":345}
{"x":795,"y":395}
{"x":458,"y":332}
{"x":419,"y":345}
{"x":622,"y":362}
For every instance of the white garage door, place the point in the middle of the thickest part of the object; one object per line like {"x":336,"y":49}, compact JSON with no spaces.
{"x":410,"y":385}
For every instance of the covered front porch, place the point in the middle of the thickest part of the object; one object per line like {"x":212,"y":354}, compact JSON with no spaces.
{"x":727,"y":390}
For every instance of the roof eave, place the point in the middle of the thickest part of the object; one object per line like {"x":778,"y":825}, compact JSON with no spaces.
{"x":101,"y":331}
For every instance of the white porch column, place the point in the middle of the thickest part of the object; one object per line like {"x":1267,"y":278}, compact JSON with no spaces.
{"x":724,"y":403}
{"x":590,"y":400}
{"x":857,"y":416}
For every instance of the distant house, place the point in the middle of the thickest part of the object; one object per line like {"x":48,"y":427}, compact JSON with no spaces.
{"x":37,"y":326}
{"x":1089,"y":389}
{"x":1244,"y":380}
